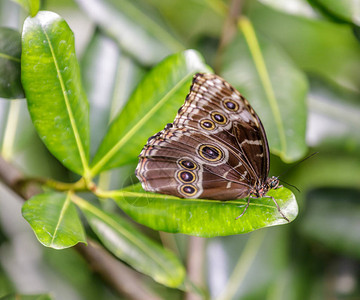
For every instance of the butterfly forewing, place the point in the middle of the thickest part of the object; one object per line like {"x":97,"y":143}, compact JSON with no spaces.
{"x":215,"y":149}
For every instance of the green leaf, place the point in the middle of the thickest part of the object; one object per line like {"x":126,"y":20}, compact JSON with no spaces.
{"x":10,"y":52}
{"x":348,"y":10}
{"x":131,"y":246}
{"x":273,"y":86}
{"x":32,"y":6}
{"x":154,"y":103}
{"x":333,"y":223}
{"x":206,"y":218}
{"x":54,"y":219}
{"x":52,"y":83}
{"x":137,"y":29}
{"x":318,"y":47}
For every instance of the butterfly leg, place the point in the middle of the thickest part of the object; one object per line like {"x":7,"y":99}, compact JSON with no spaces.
{"x":278,"y":208}
{"x":246,"y":207}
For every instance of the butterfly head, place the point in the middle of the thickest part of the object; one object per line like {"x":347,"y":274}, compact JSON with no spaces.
{"x":272,"y":182}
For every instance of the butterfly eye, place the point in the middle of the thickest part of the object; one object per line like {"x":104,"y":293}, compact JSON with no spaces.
{"x":218,"y":117}
{"x":187,"y":164}
{"x":207,"y":124}
{"x":210,"y":153}
{"x":188,"y":190}
{"x":273,"y":183}
{"x":186,"y":176}
{"x":231,"y":105}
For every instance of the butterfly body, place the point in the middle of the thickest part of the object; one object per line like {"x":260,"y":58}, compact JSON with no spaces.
{"x":216,"y":148}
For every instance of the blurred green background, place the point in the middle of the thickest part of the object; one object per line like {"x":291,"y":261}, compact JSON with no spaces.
{"x":312,"y":52}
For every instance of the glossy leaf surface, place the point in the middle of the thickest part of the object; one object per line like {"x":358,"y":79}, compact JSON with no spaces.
{"x":153,"y":104}
{"x":131,"y":246}
{"x":10,"y":53}
{"x":52,"y":84}
{"x":138,"y":30}
{"x":274,"y":87}
{"x":206,"y":218}
{"x":54,"y":219}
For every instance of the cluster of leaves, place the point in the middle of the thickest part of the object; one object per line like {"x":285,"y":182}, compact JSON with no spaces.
{"x":273,"y":58}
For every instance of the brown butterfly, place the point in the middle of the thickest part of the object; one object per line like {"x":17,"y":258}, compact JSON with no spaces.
{"x":216,"y":148}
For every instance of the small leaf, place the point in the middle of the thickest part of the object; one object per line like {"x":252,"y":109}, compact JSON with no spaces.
{"x":138,"y":30}
{"x":206,"y":218}
{"x":273,"y":86}
{"x":10,"y":53}
{"x":154,"y":103}
{"x":131,"y":246}
{"x":52,"y":84}
{"x":32,"y":6}
{"x":54,"y":219}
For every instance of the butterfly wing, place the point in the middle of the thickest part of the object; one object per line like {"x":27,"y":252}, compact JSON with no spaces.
{"x":215,"y":149}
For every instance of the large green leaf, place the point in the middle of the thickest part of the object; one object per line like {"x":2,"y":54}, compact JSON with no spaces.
{"x":52,"y":84}
{"x":274,"y":87}
{"x":154,"y":103}
{"x":137,"y":29}
{"x":10,"y":52}
{"x":54,"y":219}
{"x":131,"y":246}
{"x":206,"y":218}
{"x":324,"y":48}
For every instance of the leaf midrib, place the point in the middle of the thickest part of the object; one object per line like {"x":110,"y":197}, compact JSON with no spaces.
{"x":60,"y":219}
{"x":67,"y":105}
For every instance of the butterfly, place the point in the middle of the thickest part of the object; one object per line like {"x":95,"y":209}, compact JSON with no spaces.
{"x":216,"y":148}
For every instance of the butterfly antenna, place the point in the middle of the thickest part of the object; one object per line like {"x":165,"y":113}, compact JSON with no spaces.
{"x":301,"y":161}
{"x":289,"y":184}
